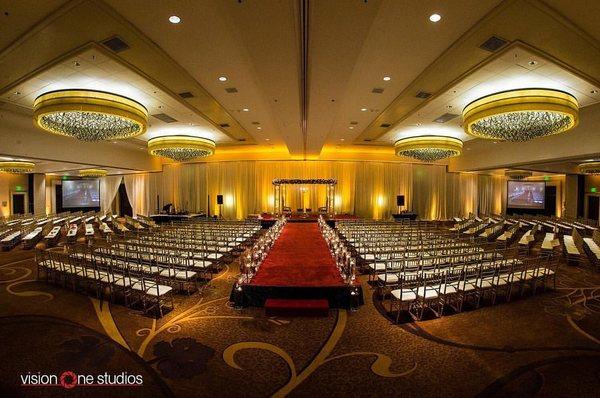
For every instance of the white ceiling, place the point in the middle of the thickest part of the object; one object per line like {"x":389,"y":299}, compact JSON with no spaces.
{"x":515,"y":69}
{"x":352,"y":45}
{"x":94,"y":70}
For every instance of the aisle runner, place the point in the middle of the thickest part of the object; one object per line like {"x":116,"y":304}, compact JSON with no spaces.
{"x":300,"y":257}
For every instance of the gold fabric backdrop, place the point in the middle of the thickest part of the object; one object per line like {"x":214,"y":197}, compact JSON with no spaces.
{"x":367,"y":189}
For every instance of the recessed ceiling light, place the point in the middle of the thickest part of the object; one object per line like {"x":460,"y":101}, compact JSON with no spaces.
{"x":246,"y":110}
{"x":267,"y":139}
{"x":259,"y":128}
{"x":351,"y":127}
{"x":341,"y":139}
{"x":594,"y":92}
{"x":435,"y":17}
{"x":387,"y":78}
{"x":17,"y":93}
{"x":174,"y":19}
{"x":363,"y":109}
{"x":222,"y":78}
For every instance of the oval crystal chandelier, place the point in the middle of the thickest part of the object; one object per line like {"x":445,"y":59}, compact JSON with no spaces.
{"x":521,"y":115}
{"x":592,"y":168}
{"x":93,"y":173}
{"x":428,"y":148}
{"x":17,"y":167}
{"x":518,"y":174}
{"x":181,"y":147}
{"x":90,"y":115}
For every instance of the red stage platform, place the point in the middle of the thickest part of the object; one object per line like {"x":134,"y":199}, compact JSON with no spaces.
{"x":300,"y":268}
{"x":300,"y":257}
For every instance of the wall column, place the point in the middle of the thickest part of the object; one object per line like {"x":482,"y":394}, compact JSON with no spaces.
{"x":39,"y":193}
{"x":571,"y":195}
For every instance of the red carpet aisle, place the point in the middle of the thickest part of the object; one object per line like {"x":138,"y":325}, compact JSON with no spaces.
{"x":299,"y":258}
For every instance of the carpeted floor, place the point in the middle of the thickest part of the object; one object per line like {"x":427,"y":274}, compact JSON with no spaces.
{"x":300,"y":258}
{"x":547,"y":345}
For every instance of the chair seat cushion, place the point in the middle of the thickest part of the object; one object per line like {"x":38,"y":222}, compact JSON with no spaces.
{"x":157,"y":292}
{"x":428,"y":293}
{"x":388,"y":278}
{"x":404,"y":294}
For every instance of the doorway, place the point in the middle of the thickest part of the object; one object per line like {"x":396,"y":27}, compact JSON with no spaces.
{"x":18,"y":203}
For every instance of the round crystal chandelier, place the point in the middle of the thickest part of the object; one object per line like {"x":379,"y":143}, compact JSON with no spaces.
{"x":429,"y":148}
{"x":592,"y":168}
{"x":521,"y":115}
{"x":93,"y":173}
{"x":181,"y":147}
{"x":90,"y":115}
{"x":17,"y":167}
{"x":518,"y":174}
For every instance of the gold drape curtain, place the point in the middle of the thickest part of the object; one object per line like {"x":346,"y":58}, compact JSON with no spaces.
{"x":492,"y":194}
{"x":367,"y":189}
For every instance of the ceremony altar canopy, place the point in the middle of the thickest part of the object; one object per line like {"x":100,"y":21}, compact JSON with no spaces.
{"x":280,"y":186}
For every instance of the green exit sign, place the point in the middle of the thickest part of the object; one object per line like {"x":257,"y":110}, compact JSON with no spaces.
{"x":19,"y":188}
{"x":546,"y":178}
{"x":593,"y":189}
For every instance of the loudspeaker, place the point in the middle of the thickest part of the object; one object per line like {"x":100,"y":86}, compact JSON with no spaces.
{"x":400,"y":200}
{"x":219,"y":199}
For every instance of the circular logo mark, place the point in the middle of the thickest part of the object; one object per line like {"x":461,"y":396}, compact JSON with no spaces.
{"x":68,"y":379}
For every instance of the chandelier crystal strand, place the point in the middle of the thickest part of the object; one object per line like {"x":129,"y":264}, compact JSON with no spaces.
{"x":521,"y":115}
{"x":17,"y":167}
{"x":181,"y":147}
{"x":93,"y":173}
{"x":518,"y":174}
{"x":592,"y":168}
{"x":90,"y":115}
{"x":429,"y":148}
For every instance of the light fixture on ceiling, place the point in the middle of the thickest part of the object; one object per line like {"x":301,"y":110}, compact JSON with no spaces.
{"x":267,"y":139}
{"x":351,"y":127}
{"x":594,"y":91}
{"x":592,"y":168}
{"x":90,"y":115}
{"x":222,"y":78}
{"x":518,"y":174}
{"x":521,"y":115}
{"x":17,"y":167}
{"x":387,"y":78}
{"x":174,"y":19}
{"x":181,"y":147}
{"x":435,"y":17}
{"x":93,"y":173}
{"x":259,"y":128}
{"x":363,"y":109}
{"x":428,"y":148}
{"x":246,"y":110}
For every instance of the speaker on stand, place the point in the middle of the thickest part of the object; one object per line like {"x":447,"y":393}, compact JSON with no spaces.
{"x":220,"y":203}
{"x":400,"y":201}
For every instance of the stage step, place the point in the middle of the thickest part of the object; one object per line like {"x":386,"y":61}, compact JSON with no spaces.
{"x":296,"y":307}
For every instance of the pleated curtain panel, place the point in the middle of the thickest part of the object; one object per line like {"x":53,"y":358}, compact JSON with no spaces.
{"x":109,"y":186}
{"x":367,"y":189}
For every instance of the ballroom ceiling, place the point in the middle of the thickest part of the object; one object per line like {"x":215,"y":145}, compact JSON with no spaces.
{"x":300,"y":79}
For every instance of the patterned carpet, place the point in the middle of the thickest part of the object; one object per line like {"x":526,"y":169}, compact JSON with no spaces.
{"x":547,"y":345}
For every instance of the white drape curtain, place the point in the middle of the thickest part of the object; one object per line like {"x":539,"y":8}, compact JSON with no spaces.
{"x":367,"y":189}
{"x":109,"y":186}
{"x":139,"y":189}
